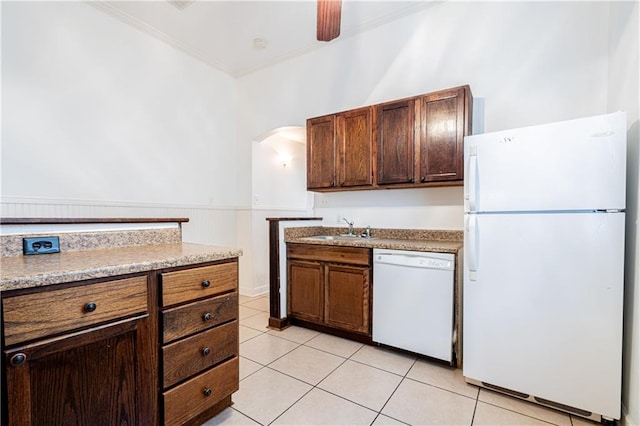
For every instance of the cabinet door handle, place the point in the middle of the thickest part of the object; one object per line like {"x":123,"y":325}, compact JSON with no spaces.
{"x":206,"y":351}
{"x":207,"y":392}
{"x":205,"y":284}
{"x":18,"y":359}
{"x":411,"y":179}
{"x":423,"y":179}
{"x":90,"y":307}
{"x":206,"y":316}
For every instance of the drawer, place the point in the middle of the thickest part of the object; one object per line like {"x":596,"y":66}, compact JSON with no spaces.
{"x":190,"y":398}
{"x":337,"y":254}
{"x":196,"y":353}
{"x":35,"y":315}
{"x":195,"y":283}
{"x":197,"y":316}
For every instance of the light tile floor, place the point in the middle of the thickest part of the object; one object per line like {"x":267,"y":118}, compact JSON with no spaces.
{"x":302,"y":377}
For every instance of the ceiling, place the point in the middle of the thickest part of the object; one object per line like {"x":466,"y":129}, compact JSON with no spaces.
{"x":222,"y":33}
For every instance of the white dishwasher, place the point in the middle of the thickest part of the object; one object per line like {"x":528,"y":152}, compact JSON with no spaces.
{"x":413,"y":301}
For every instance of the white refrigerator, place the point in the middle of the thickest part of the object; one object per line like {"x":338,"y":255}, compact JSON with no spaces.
{"x":544,"y":259}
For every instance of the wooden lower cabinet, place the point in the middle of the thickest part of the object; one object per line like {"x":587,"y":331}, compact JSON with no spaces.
{"x":129,"y":350}
{"x":201,"y":393}
{"x":347,"y":297}
{"x":200,"y":346}
{"x":306,"y":290}
{"x":322,"y":291}
{"x":100,"y":375}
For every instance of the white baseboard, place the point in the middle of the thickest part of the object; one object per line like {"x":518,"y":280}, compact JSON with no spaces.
{"x":626,"y":419}
{"x":254,"y":292}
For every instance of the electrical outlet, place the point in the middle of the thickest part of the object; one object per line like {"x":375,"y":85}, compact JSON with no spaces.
{"x":40,"y":245}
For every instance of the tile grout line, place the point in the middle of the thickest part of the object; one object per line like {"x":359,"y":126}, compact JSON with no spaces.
{"x":475,"y":407}
{"x":344,"y":360}
{"x":312,"y":386}
{"x":350,"y":358}
{"x":527,"y":415}
{"x":394,"y":391}
{"x":441,"y":388}
{"x":249,"y":417}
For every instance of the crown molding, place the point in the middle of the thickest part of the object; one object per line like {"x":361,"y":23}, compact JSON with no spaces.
{"x":124,"y":17}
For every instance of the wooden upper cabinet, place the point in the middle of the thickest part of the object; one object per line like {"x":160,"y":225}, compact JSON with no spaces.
{"x":321,"y":152}
{"x":355,"y":148}
{"x":395,"y":131}
{"x":444,"y":121}
{"x":406,"y":143}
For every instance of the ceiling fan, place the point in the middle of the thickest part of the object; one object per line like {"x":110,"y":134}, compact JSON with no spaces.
{"x":328,"y":26}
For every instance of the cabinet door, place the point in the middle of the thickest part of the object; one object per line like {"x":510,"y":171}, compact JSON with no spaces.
{"x":321,"y":152}
{"x":355,"y":148}
{"x":305,"y":290}
{"x":395,"y":141}
{"x":93,"y":377}
{"x":442,"y":134}
{"x":347,"y":298}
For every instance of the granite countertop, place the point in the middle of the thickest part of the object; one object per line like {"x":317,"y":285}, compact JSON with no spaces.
{"x":413,"y":240}
{"x":21,"y":272}
{"x":387,"y":243}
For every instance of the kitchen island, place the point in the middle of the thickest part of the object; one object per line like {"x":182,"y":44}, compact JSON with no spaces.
{"x":145,"y":333}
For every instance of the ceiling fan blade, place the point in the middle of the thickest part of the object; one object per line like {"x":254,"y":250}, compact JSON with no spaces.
{"x":328,"y":19}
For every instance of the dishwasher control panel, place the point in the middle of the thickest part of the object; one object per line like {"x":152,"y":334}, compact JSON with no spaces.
{"x":415,"y":259}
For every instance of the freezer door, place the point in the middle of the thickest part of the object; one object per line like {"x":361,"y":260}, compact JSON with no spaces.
{"x":543,"y":309}
{"x":570,"y":165}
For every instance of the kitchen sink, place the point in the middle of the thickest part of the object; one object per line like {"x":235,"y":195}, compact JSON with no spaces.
{"x":343,"y":237}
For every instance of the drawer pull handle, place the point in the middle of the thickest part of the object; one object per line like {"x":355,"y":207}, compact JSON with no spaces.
{"x":18,"y":359}
{"x":90,"y":307}
{"x":206,"y":351}
{"x":206,"y":317}
{"x":207,"y":392}
{"x":205,"y":284}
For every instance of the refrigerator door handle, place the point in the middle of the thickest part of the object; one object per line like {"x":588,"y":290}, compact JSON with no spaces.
{"x":472,"y":249}
{"x":472,"y":187}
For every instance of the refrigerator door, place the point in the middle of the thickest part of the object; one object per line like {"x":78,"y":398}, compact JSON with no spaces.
{"x":570,"y":165}
{"x":544,"y":313}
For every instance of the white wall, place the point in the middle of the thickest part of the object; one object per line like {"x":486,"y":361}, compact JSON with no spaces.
{"x":277,"y":191}
{"x":623,"y":95}
{"x":100,"y":118}
{"x":528,"y":63}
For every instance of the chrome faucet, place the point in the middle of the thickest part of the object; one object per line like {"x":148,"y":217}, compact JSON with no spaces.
{"x":350,"y":230}
{"x":367,"y":232}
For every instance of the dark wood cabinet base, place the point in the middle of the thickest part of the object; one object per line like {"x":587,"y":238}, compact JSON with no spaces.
{"x":211,"y":412}
{"x":362,"y":338}
{"x":279,"y":323}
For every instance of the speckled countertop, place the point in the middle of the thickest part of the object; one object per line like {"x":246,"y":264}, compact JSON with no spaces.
{"x":394,"y":244}
{"x":21,"y":272}
{"x":395,"y":239}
